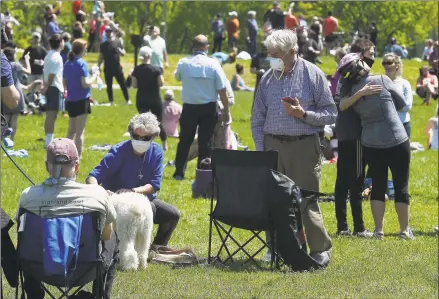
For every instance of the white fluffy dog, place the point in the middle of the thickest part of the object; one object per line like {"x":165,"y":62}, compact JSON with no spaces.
{"x":134,"y":225}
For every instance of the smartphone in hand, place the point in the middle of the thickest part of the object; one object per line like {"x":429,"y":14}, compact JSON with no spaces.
{"x":290,"y":100}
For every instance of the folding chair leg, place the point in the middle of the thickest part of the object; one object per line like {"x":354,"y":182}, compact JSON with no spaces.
{"x":223,"y":240}
{"x":209,"y":249}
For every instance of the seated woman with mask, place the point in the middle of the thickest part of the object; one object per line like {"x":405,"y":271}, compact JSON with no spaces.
{"x":137,"y":166}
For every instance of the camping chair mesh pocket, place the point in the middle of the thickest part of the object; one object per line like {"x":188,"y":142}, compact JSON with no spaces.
{"x":83,"y":268}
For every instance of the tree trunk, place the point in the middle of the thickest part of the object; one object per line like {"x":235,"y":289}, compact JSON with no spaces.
{"x":183,"y":40}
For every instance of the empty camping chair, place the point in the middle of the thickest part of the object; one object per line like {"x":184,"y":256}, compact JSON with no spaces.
{"x":63,"y":251}
{"x":241,"y":191}
{"x":253,"y":196}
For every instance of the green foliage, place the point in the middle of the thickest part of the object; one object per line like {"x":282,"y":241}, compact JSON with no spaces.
{"x":409,"y":22}
{"x":359,"y":268}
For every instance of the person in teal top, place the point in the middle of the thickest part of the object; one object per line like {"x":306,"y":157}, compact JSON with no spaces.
{"x":238,"y":82}
{"x":225,"y":58}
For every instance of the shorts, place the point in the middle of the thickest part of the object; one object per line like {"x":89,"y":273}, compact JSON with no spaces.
{"x":232,"y":41}
{"x":330,"y":38}
{"x":54,"y":98}
{"x":80,"y":17}
{"x":78,"y":108}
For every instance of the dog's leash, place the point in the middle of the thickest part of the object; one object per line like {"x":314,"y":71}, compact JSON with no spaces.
{"x":17,"y":166}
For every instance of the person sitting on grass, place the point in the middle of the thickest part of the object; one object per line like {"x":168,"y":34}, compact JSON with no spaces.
{"x":238,"y":83}
{"x":225,"y":58}
{"x":426,"y":85}
{"x":431,"y":130}
{"x":171,"y":114}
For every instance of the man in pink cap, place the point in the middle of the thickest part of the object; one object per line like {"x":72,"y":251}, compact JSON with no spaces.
{"x":60,"y":195}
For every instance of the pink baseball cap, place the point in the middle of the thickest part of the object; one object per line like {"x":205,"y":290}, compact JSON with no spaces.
{"x":62,"y":151}
{"x":347,"y":59}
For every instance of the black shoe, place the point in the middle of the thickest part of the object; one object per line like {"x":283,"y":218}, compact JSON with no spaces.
{"x":178,"y":177}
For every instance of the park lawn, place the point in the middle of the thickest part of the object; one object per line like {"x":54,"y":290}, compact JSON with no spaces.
{"x":359,"y":268}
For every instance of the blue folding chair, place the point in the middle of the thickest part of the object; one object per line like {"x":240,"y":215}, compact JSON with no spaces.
{"x":64,"y":252}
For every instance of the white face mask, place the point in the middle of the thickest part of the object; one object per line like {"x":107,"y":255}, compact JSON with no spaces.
{"x":277,"y":64}
{"x":141,"y":146}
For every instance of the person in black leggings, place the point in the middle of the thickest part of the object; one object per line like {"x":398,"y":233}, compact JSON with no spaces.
{"x":148,"y":79}
{"x":350,"y":163}
{"x":385,"y":141}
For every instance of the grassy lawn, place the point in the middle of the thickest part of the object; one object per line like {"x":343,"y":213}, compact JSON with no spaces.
{"x":359,"y":268}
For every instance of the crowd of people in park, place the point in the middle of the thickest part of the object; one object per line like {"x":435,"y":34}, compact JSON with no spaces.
{"x":294,"y":105}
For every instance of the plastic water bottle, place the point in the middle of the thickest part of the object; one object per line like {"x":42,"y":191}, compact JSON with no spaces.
{"x":100,"y":83}
{"x":43,"y":100}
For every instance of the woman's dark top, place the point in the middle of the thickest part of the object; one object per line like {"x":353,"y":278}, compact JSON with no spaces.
{"x":148,"y":89}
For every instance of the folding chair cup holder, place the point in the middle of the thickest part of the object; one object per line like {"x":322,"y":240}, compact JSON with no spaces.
{"x":241,"y":203}
{"x":30,"y":256}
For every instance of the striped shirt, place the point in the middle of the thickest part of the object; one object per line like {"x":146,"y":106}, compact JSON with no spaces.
{"x":308,"y":84}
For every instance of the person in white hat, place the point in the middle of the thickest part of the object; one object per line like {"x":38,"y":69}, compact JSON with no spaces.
{"x":233,"y":30}
{"x":252,"y":32}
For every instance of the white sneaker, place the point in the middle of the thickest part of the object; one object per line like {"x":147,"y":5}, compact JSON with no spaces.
{"x":129,"y":103}
{"x":267,"y":257}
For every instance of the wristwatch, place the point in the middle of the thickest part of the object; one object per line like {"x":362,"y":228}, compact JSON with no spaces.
{"x":304,"y":115}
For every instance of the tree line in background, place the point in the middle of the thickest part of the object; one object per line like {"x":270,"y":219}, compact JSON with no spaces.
{"x":410,"y":22}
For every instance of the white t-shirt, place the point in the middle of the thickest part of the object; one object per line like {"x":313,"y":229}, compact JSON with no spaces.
{"x":68,"y":197}
{"x":158,"y":46}
{"x":53,"y":64}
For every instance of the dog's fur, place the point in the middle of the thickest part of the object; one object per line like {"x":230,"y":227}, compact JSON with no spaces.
{"x":134,"y":225}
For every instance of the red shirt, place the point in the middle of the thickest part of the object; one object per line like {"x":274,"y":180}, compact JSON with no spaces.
{"x":330,"y":25}
{"x":76,"y":6}
{"x":291,"y":22}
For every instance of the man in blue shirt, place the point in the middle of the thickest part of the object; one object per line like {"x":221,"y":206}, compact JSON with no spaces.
{"x":137,"y":166}
{"x":392,"y":47}
{"x":218,"y":32}
{"x":202,"y":80}
{"x":52,"y":26}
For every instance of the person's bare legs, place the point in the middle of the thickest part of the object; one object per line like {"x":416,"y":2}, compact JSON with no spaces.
{"x":378,"y":210}
{"x":403,"y":211}
{"x":49,"y":125}
{"x":12,"y":122}
{"x":428,"y":95}
{"x":81,"y":120}
{"x":71,"y":131}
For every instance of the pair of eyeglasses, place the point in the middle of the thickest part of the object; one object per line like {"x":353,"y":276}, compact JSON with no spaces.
{"x":387,"y":63}
{"x":141,"y":138}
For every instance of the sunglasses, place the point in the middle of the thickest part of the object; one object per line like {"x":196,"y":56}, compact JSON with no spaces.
{"x":387,"y":63}
{"x":141,"y":138}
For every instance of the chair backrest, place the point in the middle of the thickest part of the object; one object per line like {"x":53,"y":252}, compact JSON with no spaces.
{"x":31,"y":244}
{"x":241,"y":187}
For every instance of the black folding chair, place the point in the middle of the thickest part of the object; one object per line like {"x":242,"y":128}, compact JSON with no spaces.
{"x":241,"y":191}
{"x":30,"y":256}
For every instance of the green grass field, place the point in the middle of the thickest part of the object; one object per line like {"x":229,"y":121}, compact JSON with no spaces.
{"x":359,"y":268}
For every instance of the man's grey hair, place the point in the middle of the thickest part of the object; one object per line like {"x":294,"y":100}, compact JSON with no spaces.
{"x":145,"y":121}
{"x":283,"y":40}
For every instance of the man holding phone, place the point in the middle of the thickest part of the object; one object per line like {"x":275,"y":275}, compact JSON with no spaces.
{"x":293,"y":104}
